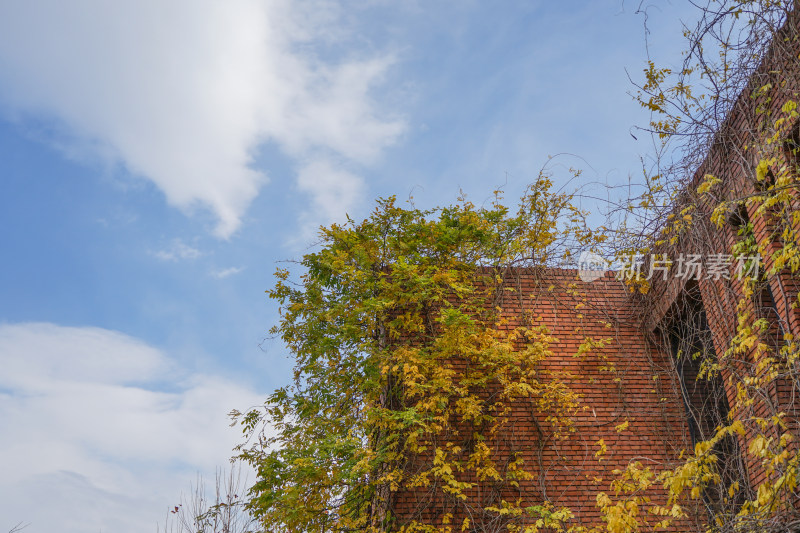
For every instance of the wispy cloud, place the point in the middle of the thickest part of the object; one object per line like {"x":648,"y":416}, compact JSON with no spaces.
{"x":182,"y":93}
{"x":226,"y":272}
{"x":178,"y":250}
{"x":102,"y":431}
{"x":333,"y":190}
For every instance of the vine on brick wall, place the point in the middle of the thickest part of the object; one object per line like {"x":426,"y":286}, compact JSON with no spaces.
{"x":405,"y":372}
{"x":731,"y":112}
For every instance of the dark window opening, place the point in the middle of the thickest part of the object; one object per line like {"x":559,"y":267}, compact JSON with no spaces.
{"x":738,"y":217}
{"x":763,"y":298}
{"x":769,"y":181}
{"x":704,"y":397}
{"x":765,"y":307}
{"x":792,"y":148}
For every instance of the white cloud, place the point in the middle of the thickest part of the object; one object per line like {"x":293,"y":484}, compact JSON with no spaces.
{"x":226,"y":272}
{"x":334,"y":192}
{"x":177,"y":250}
{"x":183,"y":92}
{"x":102,"y":431}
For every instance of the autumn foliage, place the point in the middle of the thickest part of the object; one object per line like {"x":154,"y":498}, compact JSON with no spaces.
{"x":407,"y":372}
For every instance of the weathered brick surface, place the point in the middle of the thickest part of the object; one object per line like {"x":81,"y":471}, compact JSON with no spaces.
{"x":628,"y":380}
{"x":733,"y":157}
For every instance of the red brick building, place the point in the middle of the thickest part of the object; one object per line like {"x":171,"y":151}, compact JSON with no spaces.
{"x":640,"y":390}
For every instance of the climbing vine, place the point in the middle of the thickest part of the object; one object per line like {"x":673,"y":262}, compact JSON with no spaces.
{"x":725,"y":184}
{"x":405,"y":372}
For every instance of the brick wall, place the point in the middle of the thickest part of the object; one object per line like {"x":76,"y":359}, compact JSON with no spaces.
{"x":628,"y":380}
{"x":733,"y":158}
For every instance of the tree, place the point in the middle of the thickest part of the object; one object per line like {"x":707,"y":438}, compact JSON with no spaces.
{"x":394,"y":341}
{"x":223,"y":512}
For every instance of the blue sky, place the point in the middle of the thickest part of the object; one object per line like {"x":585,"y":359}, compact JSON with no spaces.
{"x":158,"y":158}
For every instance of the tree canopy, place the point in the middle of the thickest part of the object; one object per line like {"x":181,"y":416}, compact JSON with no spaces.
{"x":394,"y":338}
